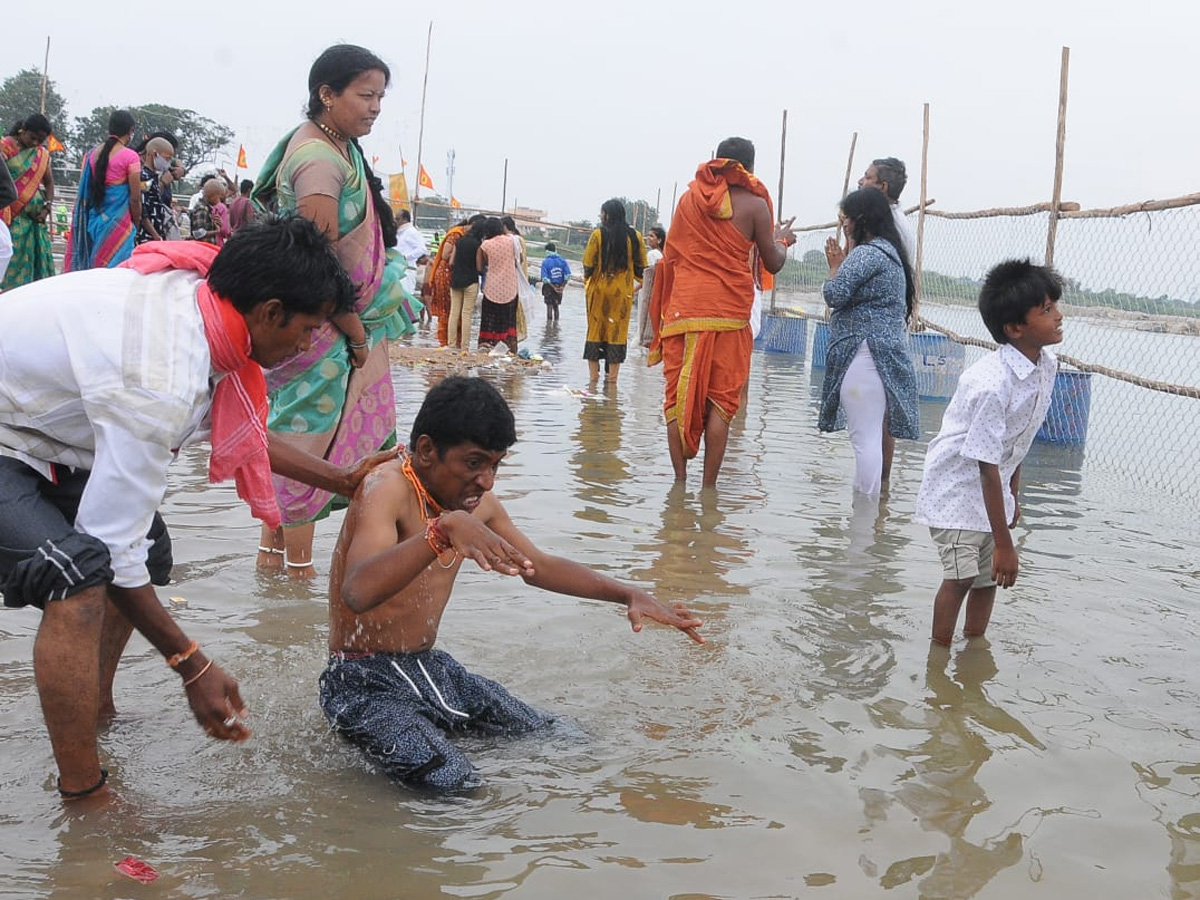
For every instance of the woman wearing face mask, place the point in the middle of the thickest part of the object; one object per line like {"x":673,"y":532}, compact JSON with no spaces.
{"x":335,"y":400}
{"x":109,"y":201}
{"x":29,"y":164}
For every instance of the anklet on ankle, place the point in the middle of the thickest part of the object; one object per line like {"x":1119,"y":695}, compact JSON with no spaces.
{"x":262,"y":549}
{"x":75,"y":795}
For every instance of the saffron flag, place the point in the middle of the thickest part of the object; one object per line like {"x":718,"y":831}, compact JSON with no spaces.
{"x":398,"y":191}
{"x":454,"y":204}
{"x":424,"y":180}
{"x":54,"y":145}
{"x":241,"y":160}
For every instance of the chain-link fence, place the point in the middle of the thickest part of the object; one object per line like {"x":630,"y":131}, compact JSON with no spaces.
{"x":1131,"y":354}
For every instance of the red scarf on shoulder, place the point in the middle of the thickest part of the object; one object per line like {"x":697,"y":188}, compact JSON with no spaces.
{"x":239,"y":405}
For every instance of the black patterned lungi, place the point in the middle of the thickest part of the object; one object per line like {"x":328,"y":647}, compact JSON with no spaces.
{"x":400,"y":707}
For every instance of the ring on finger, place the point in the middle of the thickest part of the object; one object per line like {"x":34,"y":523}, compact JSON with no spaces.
{"x":230,"y":722}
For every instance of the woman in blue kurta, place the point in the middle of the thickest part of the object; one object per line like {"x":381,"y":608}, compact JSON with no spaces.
{"x":869,"y":376}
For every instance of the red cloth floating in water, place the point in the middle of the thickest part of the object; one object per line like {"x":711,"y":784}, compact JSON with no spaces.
{"x":136,"y":869}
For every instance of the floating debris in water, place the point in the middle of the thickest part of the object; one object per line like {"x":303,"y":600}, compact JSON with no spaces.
{"x":136,"y":869}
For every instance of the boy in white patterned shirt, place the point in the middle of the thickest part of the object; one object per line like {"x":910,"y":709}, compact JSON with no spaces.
{"x":968,"y":495}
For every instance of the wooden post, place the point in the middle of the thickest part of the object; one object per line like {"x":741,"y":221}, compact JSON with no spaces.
{"x":779,"y":196}
{"x":920,"y":256}
{"x":421,"y":130}
{"x":1059,"y":145}
{"x":45,"y":75}
{"x":845,"y":191}
{"x":849,"y":166}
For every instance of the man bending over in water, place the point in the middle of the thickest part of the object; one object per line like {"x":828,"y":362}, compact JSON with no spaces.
{"x":406,"y":534}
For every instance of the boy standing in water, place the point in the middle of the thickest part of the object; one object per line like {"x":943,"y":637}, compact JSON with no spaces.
{"x":403,"y":541}
{"x":968,"y":495}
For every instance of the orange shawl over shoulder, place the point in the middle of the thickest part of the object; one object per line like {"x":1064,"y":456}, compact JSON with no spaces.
{"x":704,"y":282}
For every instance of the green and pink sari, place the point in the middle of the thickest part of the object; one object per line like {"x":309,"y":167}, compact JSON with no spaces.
{"x":31,"y":259}
{"x":319,"y":403}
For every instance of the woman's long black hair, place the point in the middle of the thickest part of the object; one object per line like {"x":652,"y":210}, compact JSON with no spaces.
{"x":870,"y":216}
{"x":37,"y":123}
{"x":120,"y":123}
{"x":614,"y":248}
{"x":337,"y":67}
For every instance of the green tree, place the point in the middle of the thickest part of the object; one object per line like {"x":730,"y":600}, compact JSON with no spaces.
{"x":200,"y":138}
{"x":641,"y":214}
{"x":21,"y":95}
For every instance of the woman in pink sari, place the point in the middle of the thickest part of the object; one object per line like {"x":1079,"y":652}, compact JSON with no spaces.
{"x":335,"y":401}
{"x":109,"y":203}
{"x":28,"y":162}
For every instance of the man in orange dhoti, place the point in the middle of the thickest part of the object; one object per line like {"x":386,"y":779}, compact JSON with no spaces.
{"x":702,"y":299}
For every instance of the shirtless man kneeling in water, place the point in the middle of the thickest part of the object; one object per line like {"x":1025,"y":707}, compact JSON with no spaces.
{"x":406,"y":534}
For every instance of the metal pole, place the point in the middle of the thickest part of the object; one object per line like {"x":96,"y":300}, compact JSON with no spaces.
{"x":674,"y":189}
{"x":1059,"y":146}
{"x":504,"y":189}
{"x":920,"y":257}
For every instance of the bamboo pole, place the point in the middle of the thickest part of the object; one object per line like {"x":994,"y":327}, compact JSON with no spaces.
{"x":504,"y":187}
{"x":421,"y":130}
{"x":658,"y":206}
{"x":779,"y":198}
{"x":45,"y":75}
{"x":826,"y":226}
{"x":1033,"y":209}
{"x":674,"y":190}
{"x":1059,"y":146}
{"x":920,"y":255}
{"x":849,"y":165}
{"x":1072,"y":210}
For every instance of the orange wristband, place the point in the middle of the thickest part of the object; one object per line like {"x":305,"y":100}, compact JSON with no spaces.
{"x":183,"y":656}
{"x":436,"y":538}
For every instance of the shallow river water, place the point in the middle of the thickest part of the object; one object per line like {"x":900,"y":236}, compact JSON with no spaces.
{"x":815,"y":746}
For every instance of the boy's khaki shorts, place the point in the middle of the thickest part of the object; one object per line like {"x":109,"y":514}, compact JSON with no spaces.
{"x":965,"y":554}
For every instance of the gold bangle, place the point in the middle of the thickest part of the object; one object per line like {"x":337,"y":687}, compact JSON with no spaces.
{"x":198,"y":675}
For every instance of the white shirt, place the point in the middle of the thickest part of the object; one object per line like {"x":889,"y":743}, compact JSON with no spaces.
{"x":996,"y":411}
{"x":106,"y":370}
{"x":411,"y":243}
{"x":907,"y":235}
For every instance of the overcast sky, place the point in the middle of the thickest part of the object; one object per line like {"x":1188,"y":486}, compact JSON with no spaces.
{"x":590,"y":101}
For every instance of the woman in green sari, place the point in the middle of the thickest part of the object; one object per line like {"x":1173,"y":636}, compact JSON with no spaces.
{"x":28,"y":162}
{"x":336,"y":400}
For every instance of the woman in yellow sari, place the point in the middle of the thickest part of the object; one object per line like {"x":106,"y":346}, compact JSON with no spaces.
{"x":614,"y":258}
{"x":28,"y":162}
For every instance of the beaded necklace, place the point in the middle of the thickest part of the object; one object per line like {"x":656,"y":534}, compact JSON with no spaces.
{"x":427,"y":501}
{"x":332,"y":133}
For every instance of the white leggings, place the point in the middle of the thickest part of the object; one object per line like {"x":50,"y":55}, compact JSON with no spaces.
{"x":5,"y":249}
{"x":865,"y":403}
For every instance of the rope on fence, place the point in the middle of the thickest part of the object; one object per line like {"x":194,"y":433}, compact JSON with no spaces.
{"x":1165,"y":387}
